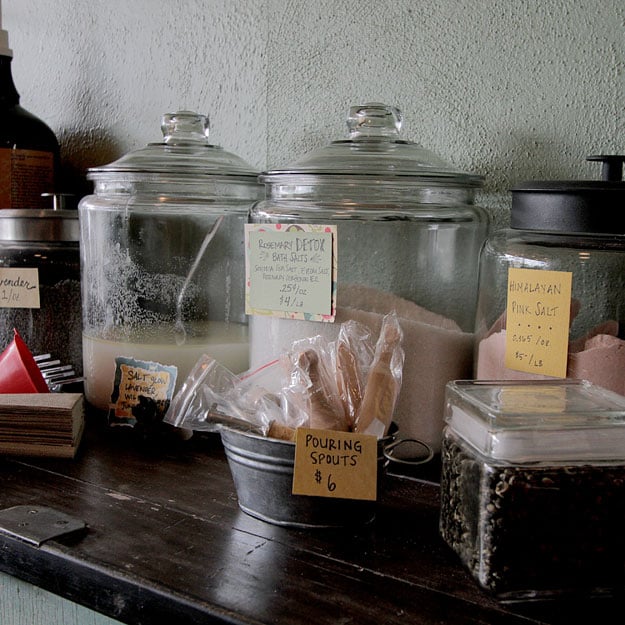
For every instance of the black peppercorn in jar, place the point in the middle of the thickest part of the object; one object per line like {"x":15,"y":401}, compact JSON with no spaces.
{"x":533,"y":487}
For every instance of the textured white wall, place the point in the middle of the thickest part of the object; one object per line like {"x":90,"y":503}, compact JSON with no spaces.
{"x":508,"y":89}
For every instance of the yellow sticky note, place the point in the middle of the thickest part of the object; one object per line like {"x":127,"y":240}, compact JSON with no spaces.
{"x":335,"y":464}
{"x":537,"y":321}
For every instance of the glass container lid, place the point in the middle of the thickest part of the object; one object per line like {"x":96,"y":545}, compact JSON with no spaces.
{"x":185,"y":151}
{"x":374,"y":150}
{"x":47,"y":225}
{"x":519,"y":421}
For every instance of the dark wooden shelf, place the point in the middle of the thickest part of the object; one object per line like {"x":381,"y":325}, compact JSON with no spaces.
{"x":166,"y":543}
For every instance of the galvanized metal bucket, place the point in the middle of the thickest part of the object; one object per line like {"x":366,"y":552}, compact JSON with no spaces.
{"x":262,"y":470}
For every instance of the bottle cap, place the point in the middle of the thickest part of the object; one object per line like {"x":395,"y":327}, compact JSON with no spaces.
{"x":4,"y":39}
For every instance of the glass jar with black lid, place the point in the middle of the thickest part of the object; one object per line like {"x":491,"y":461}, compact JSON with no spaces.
{"x":567,"y":240}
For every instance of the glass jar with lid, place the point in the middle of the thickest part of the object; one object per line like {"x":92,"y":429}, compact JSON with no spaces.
{"x":40,"y":281}
{"x":162,"y":254}
{"x":407,"y":236}
{"x":533,"y":484}
{"x":552,"y":286}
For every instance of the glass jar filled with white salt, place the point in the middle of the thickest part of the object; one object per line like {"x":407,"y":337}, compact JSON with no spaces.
{"x":359,"y":228}
{"x":162,"y":257}
{"x":552,"y":286}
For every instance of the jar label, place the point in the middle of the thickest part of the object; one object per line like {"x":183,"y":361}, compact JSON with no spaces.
{"x":329,"y":463}
{"x":24,"y":176}
{"x":19,"y":287}
{"x":537,"y":321}
{"x":141,"y":391}
{"x":291,"y":271}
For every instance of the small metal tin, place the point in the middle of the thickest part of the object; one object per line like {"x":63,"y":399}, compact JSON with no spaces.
{"x":262,"y":470}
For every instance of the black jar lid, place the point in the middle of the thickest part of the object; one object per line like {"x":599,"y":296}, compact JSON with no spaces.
{"x":573,"y":206}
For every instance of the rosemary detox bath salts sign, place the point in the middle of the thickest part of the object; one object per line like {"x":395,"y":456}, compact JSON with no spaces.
{"x":291,"y":271}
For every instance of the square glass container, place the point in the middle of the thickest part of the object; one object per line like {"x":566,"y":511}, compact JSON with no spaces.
{"x":533,"y":486}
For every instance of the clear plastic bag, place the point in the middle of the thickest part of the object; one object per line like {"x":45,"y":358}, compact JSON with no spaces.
{"x":344,"y":385}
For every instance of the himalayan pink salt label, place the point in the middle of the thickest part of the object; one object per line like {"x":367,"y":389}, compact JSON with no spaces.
{"x":537,"y":321}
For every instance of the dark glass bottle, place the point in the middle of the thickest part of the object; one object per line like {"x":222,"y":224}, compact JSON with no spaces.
{"x":29,"y":150}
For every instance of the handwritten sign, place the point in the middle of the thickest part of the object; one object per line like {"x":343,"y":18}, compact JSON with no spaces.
{"x":335,"y":464}
{"x":19,"y":287}
{"x":139,"y":382}
{"x":291,"y":271}
{"x":537,"y":321}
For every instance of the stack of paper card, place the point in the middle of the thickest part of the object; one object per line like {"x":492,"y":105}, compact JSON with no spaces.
{"x":41,"y":424}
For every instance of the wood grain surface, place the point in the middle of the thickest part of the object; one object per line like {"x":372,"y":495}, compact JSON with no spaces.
{"x":167,"y":543}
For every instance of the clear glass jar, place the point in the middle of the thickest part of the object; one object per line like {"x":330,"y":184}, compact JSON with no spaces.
{"x":40,"y":282}
{"x":574,"y":228}
{"x":408,"y":239}
{"x":162,"y":252}
{"x":533,"y":486}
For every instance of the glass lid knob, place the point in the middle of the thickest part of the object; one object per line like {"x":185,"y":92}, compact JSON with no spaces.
{"x":374,"y":121}
{"x":185,"y":127}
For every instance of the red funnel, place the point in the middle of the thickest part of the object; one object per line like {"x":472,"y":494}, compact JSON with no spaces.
{"x":19,"y":372}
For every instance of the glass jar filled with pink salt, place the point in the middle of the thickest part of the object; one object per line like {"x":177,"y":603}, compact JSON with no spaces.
{"x":363,"y":226}
{"x":551,"y":300}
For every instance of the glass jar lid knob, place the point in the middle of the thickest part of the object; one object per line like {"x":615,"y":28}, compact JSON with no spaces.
{"x":374,"y":121}
{"x":184,"y":128}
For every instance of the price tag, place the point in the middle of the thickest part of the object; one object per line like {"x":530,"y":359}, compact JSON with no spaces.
{"x":537,"y":321}
{"x":19,"y":287}
{"x":291,"y":271}
{"x":335,"y":464}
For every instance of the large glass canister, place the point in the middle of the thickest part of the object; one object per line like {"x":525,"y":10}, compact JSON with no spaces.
{"x":408,"y":237}
{"x":552,"y":287}
{"x":40,"y":282}
{"x":162,"y":254}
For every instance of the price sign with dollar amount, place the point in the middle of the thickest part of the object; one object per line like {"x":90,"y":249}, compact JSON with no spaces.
{"x":335,"y":464}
